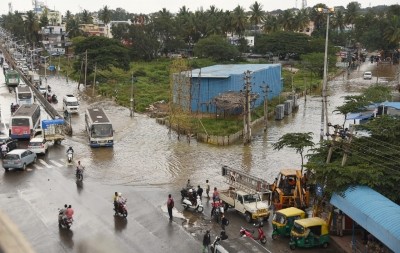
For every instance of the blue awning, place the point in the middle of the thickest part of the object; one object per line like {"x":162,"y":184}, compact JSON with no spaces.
{"x":374,"y":212}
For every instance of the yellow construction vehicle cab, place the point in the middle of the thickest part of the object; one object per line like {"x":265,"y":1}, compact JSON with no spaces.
{"x":289,"y":190}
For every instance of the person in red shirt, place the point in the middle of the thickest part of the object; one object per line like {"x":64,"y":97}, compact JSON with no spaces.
{"x":70,"y":212}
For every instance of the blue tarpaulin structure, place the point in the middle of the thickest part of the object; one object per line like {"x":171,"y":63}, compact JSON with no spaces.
{"x":377,"y":214}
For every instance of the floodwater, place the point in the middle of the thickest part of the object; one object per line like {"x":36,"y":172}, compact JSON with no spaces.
{"x":145,"y":154}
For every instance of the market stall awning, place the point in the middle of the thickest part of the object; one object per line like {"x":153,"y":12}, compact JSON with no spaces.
{"x":374,"y":212}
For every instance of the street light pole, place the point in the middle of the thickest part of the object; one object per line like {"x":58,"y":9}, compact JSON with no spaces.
{"x":132,"y":100}
{"x":324,"y":109}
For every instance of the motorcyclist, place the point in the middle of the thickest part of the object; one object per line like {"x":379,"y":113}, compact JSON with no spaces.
{"x":192,"y":196}
{"x":69,"y":213}
{"x":61,"y":213}
{"x":116,"y":197}
{"x":79,"y":168}
{"x":120,"y":201}
{"x":4,"y":149}
{"x":70,"y":149}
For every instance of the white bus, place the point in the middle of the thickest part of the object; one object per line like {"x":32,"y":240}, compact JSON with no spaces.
{"x":24,"y":95}
{"x":24,"y":121}
{"x":99,"y":128}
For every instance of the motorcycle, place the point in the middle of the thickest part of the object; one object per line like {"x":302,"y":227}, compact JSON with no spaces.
{"x":185,"y":192}
{"x":79,"y":175}
{"x":244,"y":232}
{"x":121,"y":209}
{"x":197,"y":206}
{"x":217,"y":210}
{"x":70,"y":155}
{"x":64,"y":222}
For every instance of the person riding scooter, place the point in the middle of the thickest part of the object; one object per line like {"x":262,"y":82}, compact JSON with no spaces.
{"x":4,"y":150}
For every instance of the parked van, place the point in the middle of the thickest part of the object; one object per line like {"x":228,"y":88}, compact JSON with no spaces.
{"x":70,"y":104}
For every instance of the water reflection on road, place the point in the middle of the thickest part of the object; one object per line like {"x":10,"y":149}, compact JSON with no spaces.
{"x":144,"y":152}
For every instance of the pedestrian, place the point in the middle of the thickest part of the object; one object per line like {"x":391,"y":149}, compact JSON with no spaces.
{"x":339,"y":223}
{"x":188,"y":185}
{"x":199,"y":192}
{"x":207,"y":189}
{"x":215,"y":195}
{"x":224,"y":221}
{"x":206,"y":241}
{"x":170,"y":205}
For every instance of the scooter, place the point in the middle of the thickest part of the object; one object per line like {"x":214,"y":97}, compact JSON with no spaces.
{"x":79,"y":175}
{"x":64,"y":223}
{"x":198,"y":206}
{"x":244,"y":232}
{"x":3,"y":154}
{"x":121,"y":209}
{"x":70,"y":155}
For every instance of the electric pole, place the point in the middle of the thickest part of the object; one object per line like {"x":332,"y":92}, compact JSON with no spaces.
{"x":132,"y":98}
{"x":265,"y":89}
{"x":247,"y":109}
{"x":85,"y":66}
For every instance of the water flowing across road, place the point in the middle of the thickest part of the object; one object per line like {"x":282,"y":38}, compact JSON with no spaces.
{"x":144,"y":152}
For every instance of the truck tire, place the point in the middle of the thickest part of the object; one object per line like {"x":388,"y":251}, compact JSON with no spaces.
{"x":247,"y":217}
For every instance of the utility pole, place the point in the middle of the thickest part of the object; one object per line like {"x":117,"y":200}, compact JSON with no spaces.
{"x":85,"y":66}
{"x":265,"y":89}
{"x":346,"y":152}
{"x":94,"y":78}
{"x":132,"y":98}
{"x":247,"y":111}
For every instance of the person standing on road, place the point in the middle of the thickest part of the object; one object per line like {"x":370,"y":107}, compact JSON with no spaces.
{"x":199,"y":192}
{"x":215,"y":195}
{"x":170,"y":205}
{"x":207,"y":189}
{"x":206,"y":241}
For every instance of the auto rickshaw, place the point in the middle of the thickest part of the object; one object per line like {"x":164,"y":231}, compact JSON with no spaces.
{"x":310,"y":232}
{"x":283,"y":220}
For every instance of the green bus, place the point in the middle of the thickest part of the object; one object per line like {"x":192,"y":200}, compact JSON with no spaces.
{"x":12,"y":78}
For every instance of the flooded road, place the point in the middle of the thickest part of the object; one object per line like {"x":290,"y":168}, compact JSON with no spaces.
{"x":144,"y":152}
{"x":145,"y":164}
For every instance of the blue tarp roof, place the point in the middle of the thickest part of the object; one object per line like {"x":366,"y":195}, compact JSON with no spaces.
{"x":225,"y":71}
{"x":395,"y":105}
{"x":374,"y":212}
{"x":359,"y":115}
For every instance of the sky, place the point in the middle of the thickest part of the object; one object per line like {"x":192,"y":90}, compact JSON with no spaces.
{"x":150,"y":6}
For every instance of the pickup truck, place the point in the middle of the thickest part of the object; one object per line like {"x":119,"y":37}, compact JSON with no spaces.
{"x":249,"y":204}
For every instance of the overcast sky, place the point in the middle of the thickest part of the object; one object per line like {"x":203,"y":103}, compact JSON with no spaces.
{"x":150,"y":6}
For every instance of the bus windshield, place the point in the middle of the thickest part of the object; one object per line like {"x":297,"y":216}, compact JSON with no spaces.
{"x":24,"y":95}
{"x":20,"y":122}
{"x":102,"y":130}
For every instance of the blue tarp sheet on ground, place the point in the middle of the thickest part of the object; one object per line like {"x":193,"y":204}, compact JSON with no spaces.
{"x":374,"y":212}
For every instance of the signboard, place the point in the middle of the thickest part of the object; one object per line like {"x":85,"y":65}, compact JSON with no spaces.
{"x":342,"y":64}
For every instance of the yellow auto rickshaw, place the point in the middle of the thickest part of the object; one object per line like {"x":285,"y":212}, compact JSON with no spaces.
{"x":283,"y":220}
{"x":310,"y":232}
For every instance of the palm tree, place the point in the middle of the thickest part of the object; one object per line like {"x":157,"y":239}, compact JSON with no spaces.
{"x":287,"y":21}
{"x":86,"y":17}
{"x":257,"y":14}
{"x":31,"y":27}
{"x":338,"y":20}
{"x":105,"y":16}
{"x":392,"y":31}
{"x":239,"y":20}
{"x":301,"y":20}
{"x":271,"y":24}
{"x":73,"y":29}
{"x":352,"y":13}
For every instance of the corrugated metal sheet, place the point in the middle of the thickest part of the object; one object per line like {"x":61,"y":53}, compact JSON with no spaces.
{"x":212,"y":81}
{"x":374,"y":212}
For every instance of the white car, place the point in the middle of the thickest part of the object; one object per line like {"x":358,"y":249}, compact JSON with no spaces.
{"x":38,"y":145}
{"x":367,"y":75}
